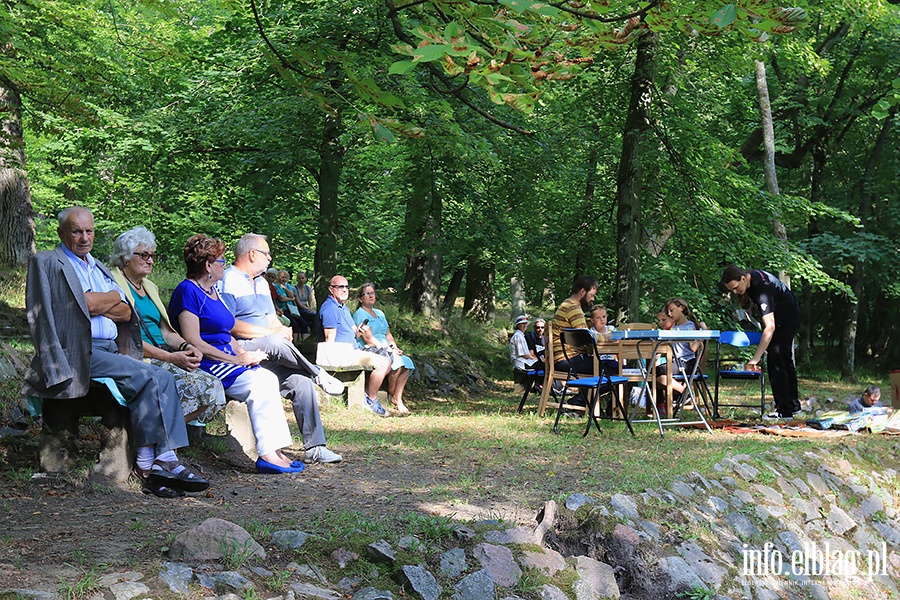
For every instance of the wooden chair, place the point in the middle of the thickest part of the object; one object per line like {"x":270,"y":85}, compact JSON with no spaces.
{"x":637,"y":326}
{"x":552,"y":375}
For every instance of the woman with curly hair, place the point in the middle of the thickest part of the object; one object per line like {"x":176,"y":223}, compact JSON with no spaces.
{"x":199,"y":315}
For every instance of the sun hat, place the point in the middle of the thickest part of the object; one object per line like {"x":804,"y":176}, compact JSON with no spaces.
{"x":521,"y":319}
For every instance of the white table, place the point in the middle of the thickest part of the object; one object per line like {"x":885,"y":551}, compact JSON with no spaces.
{"x":655,"y":338}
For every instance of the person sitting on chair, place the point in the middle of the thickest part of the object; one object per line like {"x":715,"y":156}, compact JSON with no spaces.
{"x":521,"y":356}
{"x":80,"y":320}
{"x":537,"y":341}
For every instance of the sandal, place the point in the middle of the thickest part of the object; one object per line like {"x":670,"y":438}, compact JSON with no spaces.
{"x":160,"y":491}
{"x":163,"y":473}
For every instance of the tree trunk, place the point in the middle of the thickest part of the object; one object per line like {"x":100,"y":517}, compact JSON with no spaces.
{"x":16,"y":212}
{"x":453,"y":290}
{"x":517,"y":297}
{"x":422,"y":226}
{"x":479,"y":301}
{"x":331,"y":155}
{"x":629,"y":182}
{"x":867,"y":199}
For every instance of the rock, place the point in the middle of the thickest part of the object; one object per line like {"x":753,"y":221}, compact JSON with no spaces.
{"x":705,"y":567}
{"x":549,"y":562}
{"x":748,"y":472}
{"x":477,"y":586}
{"x":289,"y":539}
{"x":214,"y":539}
{"x":464,"y":534}
{"x":306,"y":590}
{"x":231,"y":580}
{"x":678,"y":577}
{"x":348,"y":583}
{"x":770,"y":495}
{"x":576,"y":501}
{"x":498,"y":561}
{"x":453,"y":563}
{"x":742,"y":526}
{"x":625,"y":505}
{"x":680,"y":488}
{"x":370,"y":593}
{"x":596,"y":580}
{"x":176,"y":576}
{"x":818,"y":484}
{"x":519,"y":535}
{"x":838,"y":521}
{"x":421,"y":581}
{"x":113,"y":578}
{"x":26,"y":594}
{"x":382,"y":551}
{"x":127,"y":590}
{"x":408,"y":541}
{"x":871,"y":505}
{"x":551,"y":592}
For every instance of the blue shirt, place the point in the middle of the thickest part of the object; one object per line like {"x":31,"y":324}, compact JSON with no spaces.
{"x":92,"y":279}
{"x":857,"y":406}
{"x":334,"y":315}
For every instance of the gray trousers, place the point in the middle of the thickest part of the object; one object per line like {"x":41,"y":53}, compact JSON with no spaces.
{"x":156,"y":417}
{"x":295,"y":375}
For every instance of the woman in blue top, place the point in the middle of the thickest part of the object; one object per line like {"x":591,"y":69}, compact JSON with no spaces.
{"x":378,"y":338}
{"x":199,"y":315}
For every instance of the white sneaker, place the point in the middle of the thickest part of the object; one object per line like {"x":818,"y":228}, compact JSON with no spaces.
{"x":321,"y":454}
{"x":331,"y":385}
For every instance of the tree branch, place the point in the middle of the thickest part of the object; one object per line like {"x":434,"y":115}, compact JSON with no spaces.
{"x":283,"y":60}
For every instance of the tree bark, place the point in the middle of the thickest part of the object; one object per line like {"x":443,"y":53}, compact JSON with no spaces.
{"x":422,"y":227}
{"x":453,"y":290}
{"x":517,"y":297}
{"x":867,"y":199}
{"x":331,"y":155}
{"x":16,"y":212}
{"x":479,"y":301}
{"x":629,"y":182}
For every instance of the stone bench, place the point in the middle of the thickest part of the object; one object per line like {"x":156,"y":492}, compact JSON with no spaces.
{"x":354,"y":380}
{"x":59,"y":433}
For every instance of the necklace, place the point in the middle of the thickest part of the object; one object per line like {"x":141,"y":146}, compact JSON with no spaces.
{"x":137,"y":287}
{"x":209,"y":292}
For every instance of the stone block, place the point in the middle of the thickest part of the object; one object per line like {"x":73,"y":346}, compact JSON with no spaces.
{"x":241,"y":440}
{"x":59,"y":435}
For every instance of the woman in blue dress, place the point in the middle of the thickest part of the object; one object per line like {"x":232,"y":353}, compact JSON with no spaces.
{"x":197,"y":312}
{"x":379,"y":339}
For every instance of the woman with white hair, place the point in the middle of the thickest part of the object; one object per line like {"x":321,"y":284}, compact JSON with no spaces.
{"x":202,"y":394}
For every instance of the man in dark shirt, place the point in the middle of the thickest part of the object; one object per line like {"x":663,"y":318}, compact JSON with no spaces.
{"x":780,"y":318}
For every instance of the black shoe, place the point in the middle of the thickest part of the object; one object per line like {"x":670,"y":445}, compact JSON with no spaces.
{"x":148,"y":487}
{"x":163,"y":474}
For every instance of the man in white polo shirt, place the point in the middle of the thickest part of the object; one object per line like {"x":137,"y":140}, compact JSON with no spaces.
{"x":257,"y":327}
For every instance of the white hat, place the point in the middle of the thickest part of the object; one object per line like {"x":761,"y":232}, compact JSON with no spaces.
{"x":521,"y":319}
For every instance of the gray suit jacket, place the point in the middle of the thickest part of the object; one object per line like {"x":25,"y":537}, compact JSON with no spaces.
{"x":61,"y":329}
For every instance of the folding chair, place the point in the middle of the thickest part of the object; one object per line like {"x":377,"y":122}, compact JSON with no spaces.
{"x":530,"y":378}
{"x":637,"y":326}
{"x":576,"y":342}
{"x":739,"y":339}
{"x":699,"y":385}
{"x":553,"y":377}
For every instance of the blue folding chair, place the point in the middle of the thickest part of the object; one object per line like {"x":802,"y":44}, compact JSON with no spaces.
{"x":576,"y":342}
{"x":733,"y":368}
{"x":530,"y":380}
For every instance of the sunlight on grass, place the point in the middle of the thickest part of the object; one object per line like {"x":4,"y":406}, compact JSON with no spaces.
{"x":479,"y":448}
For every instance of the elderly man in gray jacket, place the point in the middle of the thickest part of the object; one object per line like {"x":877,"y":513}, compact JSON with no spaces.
{"x":82,"y":328}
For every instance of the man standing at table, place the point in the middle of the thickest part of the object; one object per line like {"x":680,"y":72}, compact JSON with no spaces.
{"x":780,"y":319}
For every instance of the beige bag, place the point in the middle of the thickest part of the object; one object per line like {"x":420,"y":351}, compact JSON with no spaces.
{"x":337,"y":354}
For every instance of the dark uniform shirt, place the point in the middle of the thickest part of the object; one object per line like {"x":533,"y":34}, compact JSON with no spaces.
{"x":772,"y":297}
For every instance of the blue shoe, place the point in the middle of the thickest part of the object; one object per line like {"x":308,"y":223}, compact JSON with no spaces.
{"x":376,"y":407}
{"x":267,"y":468}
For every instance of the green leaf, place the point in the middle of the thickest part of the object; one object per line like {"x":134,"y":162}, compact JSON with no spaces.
{"x":430,"y":52}
{"x":401,"y":67}
{"x":724,"y":16}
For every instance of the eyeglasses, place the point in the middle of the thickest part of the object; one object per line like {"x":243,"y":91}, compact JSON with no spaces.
{"x":368,"y":294}
{"x":221,"y":261}
{"x":145,"y":256}
{"x":340,"y":287}
{"x":538,"y":326}
{"x":268,"y":255}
